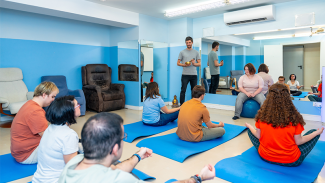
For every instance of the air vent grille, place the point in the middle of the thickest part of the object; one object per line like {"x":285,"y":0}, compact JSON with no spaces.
{"x":247,"y":21}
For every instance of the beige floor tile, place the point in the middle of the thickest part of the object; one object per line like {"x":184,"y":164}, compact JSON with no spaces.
{"x":163,"y":168}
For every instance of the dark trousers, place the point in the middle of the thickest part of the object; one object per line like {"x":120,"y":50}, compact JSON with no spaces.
{"x":192,"y":79}
{"x":295,"y":93}
{"x":314,"y":98}
{"x":165,"y":119}
{"x":214,"y":83}
{"x":304,"y":148}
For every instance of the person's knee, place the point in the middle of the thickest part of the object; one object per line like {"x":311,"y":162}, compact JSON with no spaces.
{"x":222,"y":131}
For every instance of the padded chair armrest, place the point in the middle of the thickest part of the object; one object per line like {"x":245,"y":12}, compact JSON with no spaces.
{"x":76,"y":93}
{"x":92,"y":87}
{"x":30,"y":95}
{"x":5,"y":103}
{"x":119,"y":87}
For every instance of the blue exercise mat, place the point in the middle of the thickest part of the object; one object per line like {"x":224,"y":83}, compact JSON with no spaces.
{"x":302,"y":95}
{"x":138,"y":129}
{"x":250,"y":168}
{"x":11,"y":170}
{"x":172,"y":147}
{"x":171,"y":181}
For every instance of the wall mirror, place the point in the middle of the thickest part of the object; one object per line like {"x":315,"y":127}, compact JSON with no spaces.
{"x":128,"y":61}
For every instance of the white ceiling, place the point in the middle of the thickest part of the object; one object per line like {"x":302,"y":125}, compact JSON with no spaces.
{"x":157,"y":8}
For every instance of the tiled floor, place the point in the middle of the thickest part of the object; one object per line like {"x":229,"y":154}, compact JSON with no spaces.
{"x":164,"y":169}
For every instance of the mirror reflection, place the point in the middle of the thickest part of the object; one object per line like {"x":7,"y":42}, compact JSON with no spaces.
{"x":128,"y":61}
{"x":154,"y":63}
{"x":275,"y":61}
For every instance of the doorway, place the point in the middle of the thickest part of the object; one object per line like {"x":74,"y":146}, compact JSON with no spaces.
{"x":293,"y":62}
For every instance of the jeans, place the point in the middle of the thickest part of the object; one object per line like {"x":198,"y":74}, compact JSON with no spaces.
{"x":242,"y":97}
{"x":165,"y":119}
{"x":234,"y":92}
{"x":304,"y":148}
{"x":32,"y":159}
{"x":214,"y":83}
{"x":212,"y":133}
{"x":314,"y":98}
{"x":185,"y":80}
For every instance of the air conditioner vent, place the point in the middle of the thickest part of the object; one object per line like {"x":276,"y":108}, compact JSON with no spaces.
{"x":247,"y":21}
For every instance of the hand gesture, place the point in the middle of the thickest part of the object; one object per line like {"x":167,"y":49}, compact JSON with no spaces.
{"x":320,"y":131}
{"x":208,"y":172}
{"x":193,"y":61}
{"x":310,"y":92}
{"x":249,"y":95}
{"x":253,"y":94}
{"x":221,"y":62}
{"x":221,"y":124}
{"x":144,"y":152}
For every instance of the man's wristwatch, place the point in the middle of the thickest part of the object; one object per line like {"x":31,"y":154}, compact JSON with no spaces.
{"x":197,"y":178}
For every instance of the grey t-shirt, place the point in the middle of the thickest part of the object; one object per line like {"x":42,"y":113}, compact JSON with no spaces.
{"x":187,"y":55}
{"x":214,"y":70}
{"x":96,"y":173}
{"x":142,"y":59}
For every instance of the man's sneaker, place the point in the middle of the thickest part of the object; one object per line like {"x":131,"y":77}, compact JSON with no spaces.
{"x":235,"y":118}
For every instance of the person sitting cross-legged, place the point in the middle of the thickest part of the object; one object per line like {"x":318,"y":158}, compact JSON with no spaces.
{"x":316,"y":97}
{"x":279,"y":126}
{"x":102,"y":140}
{"x":191,"y":116}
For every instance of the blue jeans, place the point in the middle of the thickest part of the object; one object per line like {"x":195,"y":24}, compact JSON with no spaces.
{"x":164,"y":119}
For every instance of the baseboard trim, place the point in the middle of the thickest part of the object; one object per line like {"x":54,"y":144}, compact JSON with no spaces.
{"x":6,"y":118}
{"x":132,"y":107}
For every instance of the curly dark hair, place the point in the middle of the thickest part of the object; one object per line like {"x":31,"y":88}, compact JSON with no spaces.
{"x":278,"y":108}
{"x":152,"y":90}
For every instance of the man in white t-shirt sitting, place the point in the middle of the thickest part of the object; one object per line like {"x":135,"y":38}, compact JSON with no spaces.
{"x":102,"y":140}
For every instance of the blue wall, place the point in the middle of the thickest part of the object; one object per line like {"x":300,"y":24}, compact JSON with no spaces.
{"x":160,"y":67}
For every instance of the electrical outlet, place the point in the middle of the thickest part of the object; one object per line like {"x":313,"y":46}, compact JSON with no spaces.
{"x":317,"y":104}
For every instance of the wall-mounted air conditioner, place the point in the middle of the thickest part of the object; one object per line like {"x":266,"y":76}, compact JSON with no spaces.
{"x":251,"y":15}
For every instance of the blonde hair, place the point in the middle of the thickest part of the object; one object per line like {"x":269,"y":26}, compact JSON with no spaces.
{"x":46,"y":87}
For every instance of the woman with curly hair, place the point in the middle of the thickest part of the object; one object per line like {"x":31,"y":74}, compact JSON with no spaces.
{"x":152,"y":105}
{"x":279,"y":126}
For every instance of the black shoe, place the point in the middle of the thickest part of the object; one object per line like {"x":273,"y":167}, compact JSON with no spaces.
{"x":235,"y":117}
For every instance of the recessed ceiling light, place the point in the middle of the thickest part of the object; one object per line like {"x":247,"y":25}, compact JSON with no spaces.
{"x":202,"y":7}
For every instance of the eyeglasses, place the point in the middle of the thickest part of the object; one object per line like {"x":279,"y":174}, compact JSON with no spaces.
{"x":125,"y":136}
{"x":78,"y":105}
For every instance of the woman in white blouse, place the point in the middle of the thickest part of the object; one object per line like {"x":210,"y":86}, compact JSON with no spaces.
{"x":294,"y":85}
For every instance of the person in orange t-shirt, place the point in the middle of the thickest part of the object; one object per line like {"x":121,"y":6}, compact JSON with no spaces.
{"x":191,"y":116}
{"x":279,"y":126}
{"x":316,"y":97}
{"x":29,"y":124}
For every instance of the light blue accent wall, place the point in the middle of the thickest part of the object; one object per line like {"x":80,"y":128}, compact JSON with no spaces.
{"x":160,"y":64}
{"x":177,"y":30}
{"x":123,"y":34}
{"x":41,"y":58}
{"x":190,"y":27}
{"x":31,"y":26}
{"x":153,"y":29}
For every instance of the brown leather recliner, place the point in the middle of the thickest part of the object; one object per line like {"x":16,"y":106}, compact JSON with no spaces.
{"x":100,"y":93}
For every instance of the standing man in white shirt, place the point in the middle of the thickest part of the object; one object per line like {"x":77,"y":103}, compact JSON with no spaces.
{"x":189,"y":59}
{"x":214,"y":66}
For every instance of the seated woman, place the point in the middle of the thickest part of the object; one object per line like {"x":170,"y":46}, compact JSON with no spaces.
{"x":318,"y":97}
{"x":294,"y":85}
{"x":250,"y":86}
{"x":152,"y":105}
{"x":263,"y":71}
{"x":279,"y":125}
{"x":59,"y":143}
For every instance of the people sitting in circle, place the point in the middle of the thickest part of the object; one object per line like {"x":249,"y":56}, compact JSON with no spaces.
{"x":191,"y":116}
{"x":281,"y":80}
{"x":30,"y":123}
{"x":102,"y":139}
{"x":152,"y":105}
{"x":279,"y":125}
{"x":250,"y":86}
{"x":263,"y":71}
{"x":294,"y":85}
{"x":59,"y":143}
{"x":316,"y":97}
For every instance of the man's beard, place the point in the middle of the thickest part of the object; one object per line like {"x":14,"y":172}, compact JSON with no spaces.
{"x":189,"y":46}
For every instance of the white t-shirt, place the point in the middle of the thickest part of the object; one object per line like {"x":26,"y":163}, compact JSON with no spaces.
{"x":293,"y":86}
{"x":56,"y":141}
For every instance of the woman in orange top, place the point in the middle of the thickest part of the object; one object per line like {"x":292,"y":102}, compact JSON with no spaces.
{"x":279,"y":125}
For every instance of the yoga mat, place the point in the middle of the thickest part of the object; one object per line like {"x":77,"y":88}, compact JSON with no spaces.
{"x":172,"y":147}
{"x":11,"y":170}
{"x":170,"y":181}
{"x":250,"y":168}
{"x":138,"y":129}
{"x":302,"y":95}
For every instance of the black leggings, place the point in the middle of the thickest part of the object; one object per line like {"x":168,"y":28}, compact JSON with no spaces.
{"x":295,"y":93}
